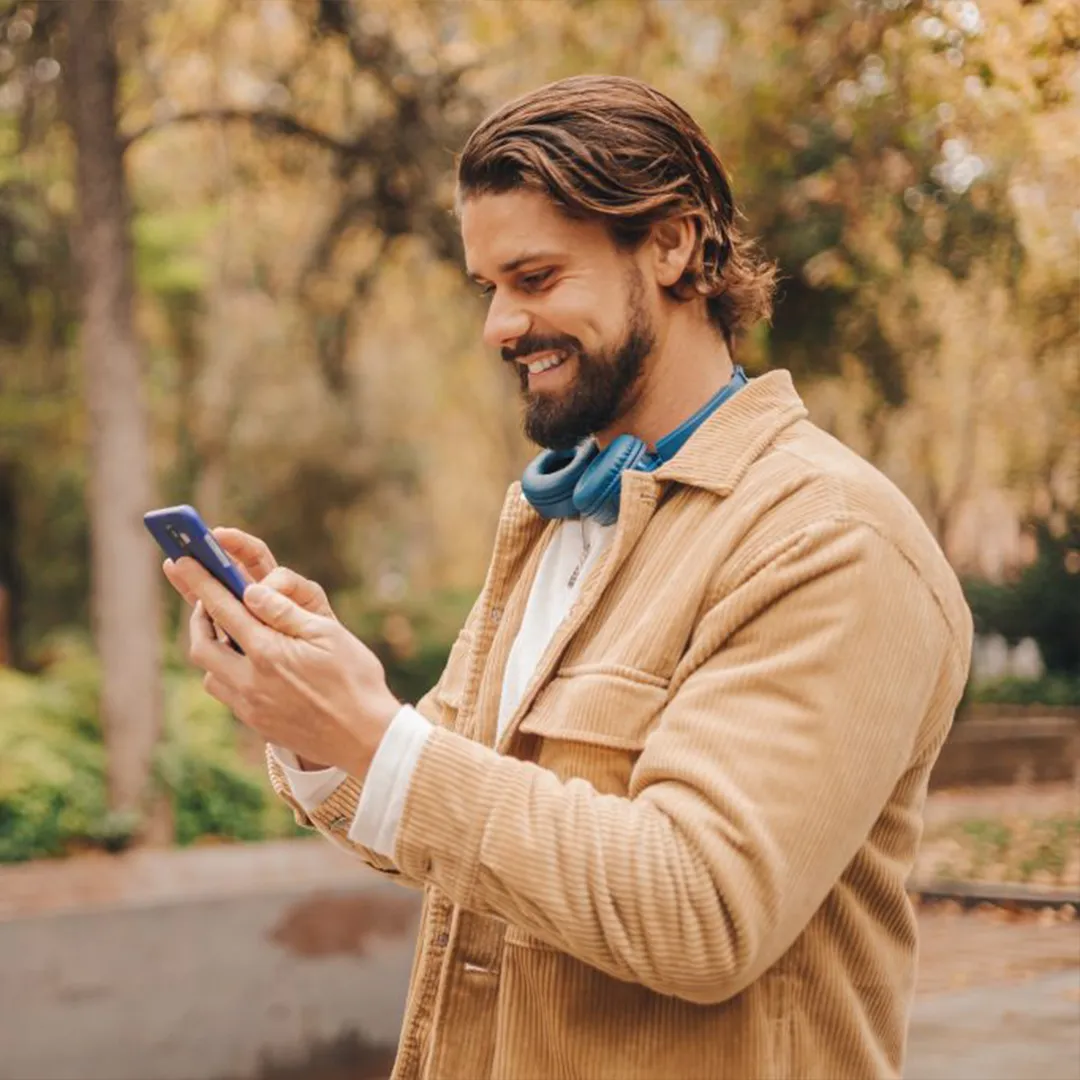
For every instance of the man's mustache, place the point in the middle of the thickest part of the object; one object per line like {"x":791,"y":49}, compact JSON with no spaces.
{"x":527,"y":346}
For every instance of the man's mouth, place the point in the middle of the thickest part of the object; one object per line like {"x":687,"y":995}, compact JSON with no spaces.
{"x":545,"y":361}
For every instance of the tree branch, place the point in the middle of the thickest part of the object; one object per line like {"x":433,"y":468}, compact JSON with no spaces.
{"x":273,"y":123}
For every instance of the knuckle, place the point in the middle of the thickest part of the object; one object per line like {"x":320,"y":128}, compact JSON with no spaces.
{"x":260,"y":652}
{"x":281,"y":577}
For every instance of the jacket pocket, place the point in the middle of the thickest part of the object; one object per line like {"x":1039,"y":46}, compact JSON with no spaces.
{"x":592,"y":723}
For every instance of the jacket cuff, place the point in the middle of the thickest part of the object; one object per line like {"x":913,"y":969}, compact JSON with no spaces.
{"x":280,"y":783}
{"x":333,"y":814}
{"x":309,"y":786}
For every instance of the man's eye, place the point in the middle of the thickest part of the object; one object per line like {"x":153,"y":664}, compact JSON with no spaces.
{"x":485,"y":290}
{"x":533,"y":282}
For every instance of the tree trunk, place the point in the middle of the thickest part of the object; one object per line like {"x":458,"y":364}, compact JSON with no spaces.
{"x":124,"y":567}
{"x":10,"y":571}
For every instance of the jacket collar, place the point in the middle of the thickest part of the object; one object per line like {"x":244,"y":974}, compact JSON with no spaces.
{"x":719,"y":453}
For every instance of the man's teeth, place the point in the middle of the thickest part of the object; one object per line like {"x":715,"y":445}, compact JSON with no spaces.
{"x":548,"y":361}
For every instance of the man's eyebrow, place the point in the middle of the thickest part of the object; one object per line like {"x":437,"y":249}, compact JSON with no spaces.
{"x":520,"y":261}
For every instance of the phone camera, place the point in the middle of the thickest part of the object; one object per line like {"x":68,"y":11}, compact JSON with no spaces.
{"x":179,"y":537}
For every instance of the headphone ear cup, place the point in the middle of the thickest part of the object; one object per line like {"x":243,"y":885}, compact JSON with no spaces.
{"x":597,"y":493}
{"x":551,"y":477}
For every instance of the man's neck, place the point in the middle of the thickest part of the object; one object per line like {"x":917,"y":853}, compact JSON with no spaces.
{"x":684,"y":371}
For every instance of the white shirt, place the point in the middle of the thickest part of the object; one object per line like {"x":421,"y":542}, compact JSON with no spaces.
{"x":574,"y":550}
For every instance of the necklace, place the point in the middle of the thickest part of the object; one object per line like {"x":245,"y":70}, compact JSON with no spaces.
{"x":586,"y":546}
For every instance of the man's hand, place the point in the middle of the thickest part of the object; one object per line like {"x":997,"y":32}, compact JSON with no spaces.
{"x":257,"y":563}
{"x":304,"y":682}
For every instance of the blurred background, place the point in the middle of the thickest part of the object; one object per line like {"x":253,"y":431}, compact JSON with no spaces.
{"x":230,"y":275}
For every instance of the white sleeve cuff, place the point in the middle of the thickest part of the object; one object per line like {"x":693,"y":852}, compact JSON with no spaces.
{"x":382,"y":800}
{"x":308,"y":788}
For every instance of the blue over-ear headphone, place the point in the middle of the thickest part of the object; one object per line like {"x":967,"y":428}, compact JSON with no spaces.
{"x":586,"y":482}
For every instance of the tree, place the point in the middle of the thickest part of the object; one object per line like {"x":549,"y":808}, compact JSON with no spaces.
{"x":1043,"y":602}
{"x":125,"y":583}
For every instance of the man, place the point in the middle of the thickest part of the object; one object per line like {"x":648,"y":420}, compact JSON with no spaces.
{"x":665,"y":796}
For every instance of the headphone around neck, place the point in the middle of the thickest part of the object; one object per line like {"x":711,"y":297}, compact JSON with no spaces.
{"x":586,"y":481}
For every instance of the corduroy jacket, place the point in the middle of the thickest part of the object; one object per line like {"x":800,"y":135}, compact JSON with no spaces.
{"x":686,"y":856}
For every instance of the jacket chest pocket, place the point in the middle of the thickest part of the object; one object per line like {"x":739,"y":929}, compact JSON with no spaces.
{"x":591,"y":723}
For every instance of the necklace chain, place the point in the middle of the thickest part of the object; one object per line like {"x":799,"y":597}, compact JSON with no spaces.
{"x":586,"y":546}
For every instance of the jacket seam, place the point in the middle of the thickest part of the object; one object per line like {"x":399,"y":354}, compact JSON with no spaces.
{"x":845,"y":517}
{"x":616,"y":672}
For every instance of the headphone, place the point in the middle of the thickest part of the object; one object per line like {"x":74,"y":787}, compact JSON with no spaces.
{"x":585,"y":481}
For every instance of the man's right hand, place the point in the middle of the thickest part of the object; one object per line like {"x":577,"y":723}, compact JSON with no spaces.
{"x":257,"y":563}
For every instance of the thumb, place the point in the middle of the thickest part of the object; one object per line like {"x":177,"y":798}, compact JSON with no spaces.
{"x":279,"y":612}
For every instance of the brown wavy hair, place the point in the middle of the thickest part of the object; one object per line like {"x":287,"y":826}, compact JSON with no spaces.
{"x":616,"y":149}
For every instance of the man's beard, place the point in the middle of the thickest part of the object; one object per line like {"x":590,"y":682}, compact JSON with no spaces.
{"x":603,"y":385}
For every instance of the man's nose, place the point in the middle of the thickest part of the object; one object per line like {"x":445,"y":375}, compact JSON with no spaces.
{"x":506,"y":322}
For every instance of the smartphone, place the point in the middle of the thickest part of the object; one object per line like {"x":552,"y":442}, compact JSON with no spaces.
{"x":179,"y":531}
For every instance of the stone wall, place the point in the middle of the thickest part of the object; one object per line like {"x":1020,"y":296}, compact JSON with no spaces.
{"x":1009,"y":744}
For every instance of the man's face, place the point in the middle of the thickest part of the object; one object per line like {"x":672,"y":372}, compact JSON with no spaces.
{"x":567,"y":307}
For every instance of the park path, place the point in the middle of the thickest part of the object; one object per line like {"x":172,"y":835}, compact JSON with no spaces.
{"x":998,"y":998}
{"x":282,"y":961}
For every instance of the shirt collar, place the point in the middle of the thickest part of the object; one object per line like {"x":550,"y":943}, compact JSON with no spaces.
{"x":719,"y":453}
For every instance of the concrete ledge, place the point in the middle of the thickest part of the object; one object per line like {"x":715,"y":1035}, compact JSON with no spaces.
{"x":1006,"y":746}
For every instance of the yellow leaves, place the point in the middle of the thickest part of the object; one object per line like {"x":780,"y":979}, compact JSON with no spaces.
{"x":820,"y":188}
{"x":897,"y":172}
{"x":828,"y":269}
{"x":762,"y":77}
{"x":1032,"y":851}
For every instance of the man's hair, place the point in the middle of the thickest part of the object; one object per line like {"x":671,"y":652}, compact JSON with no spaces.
{"x":617,"y":150}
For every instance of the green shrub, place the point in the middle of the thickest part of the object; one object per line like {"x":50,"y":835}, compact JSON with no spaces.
{"x":52,"y":765}
{"x":213,"y":792}
{"x":52,"y":768}
{"x":1055,"y":690}
{"x":1043,"y":602}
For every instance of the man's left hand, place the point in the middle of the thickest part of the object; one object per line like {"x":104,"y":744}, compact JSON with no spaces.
{"x":304,"y":682}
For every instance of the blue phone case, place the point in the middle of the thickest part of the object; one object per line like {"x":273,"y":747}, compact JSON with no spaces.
{"x":180,"y":531}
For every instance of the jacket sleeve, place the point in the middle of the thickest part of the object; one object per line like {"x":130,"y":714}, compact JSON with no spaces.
{"x":335,"y":814}
{"x":800,"y":703}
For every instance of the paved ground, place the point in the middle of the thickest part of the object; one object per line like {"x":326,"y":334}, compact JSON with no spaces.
{"x":273,"y":961}
{"x":285,"y":962}
{"x":998,"y":998}
{"x":1003,"y":1032}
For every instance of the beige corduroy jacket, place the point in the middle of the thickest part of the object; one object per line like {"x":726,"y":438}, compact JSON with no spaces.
{"x":686,"y":857}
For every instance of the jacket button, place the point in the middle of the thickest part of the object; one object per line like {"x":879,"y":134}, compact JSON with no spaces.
{"x":442,"y":939}
{"x":496,"y":615}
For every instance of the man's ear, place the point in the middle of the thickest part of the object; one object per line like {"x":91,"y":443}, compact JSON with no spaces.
{"x":672,"y":245}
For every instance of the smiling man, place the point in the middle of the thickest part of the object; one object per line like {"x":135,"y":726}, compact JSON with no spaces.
{"x":665,"y":797}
